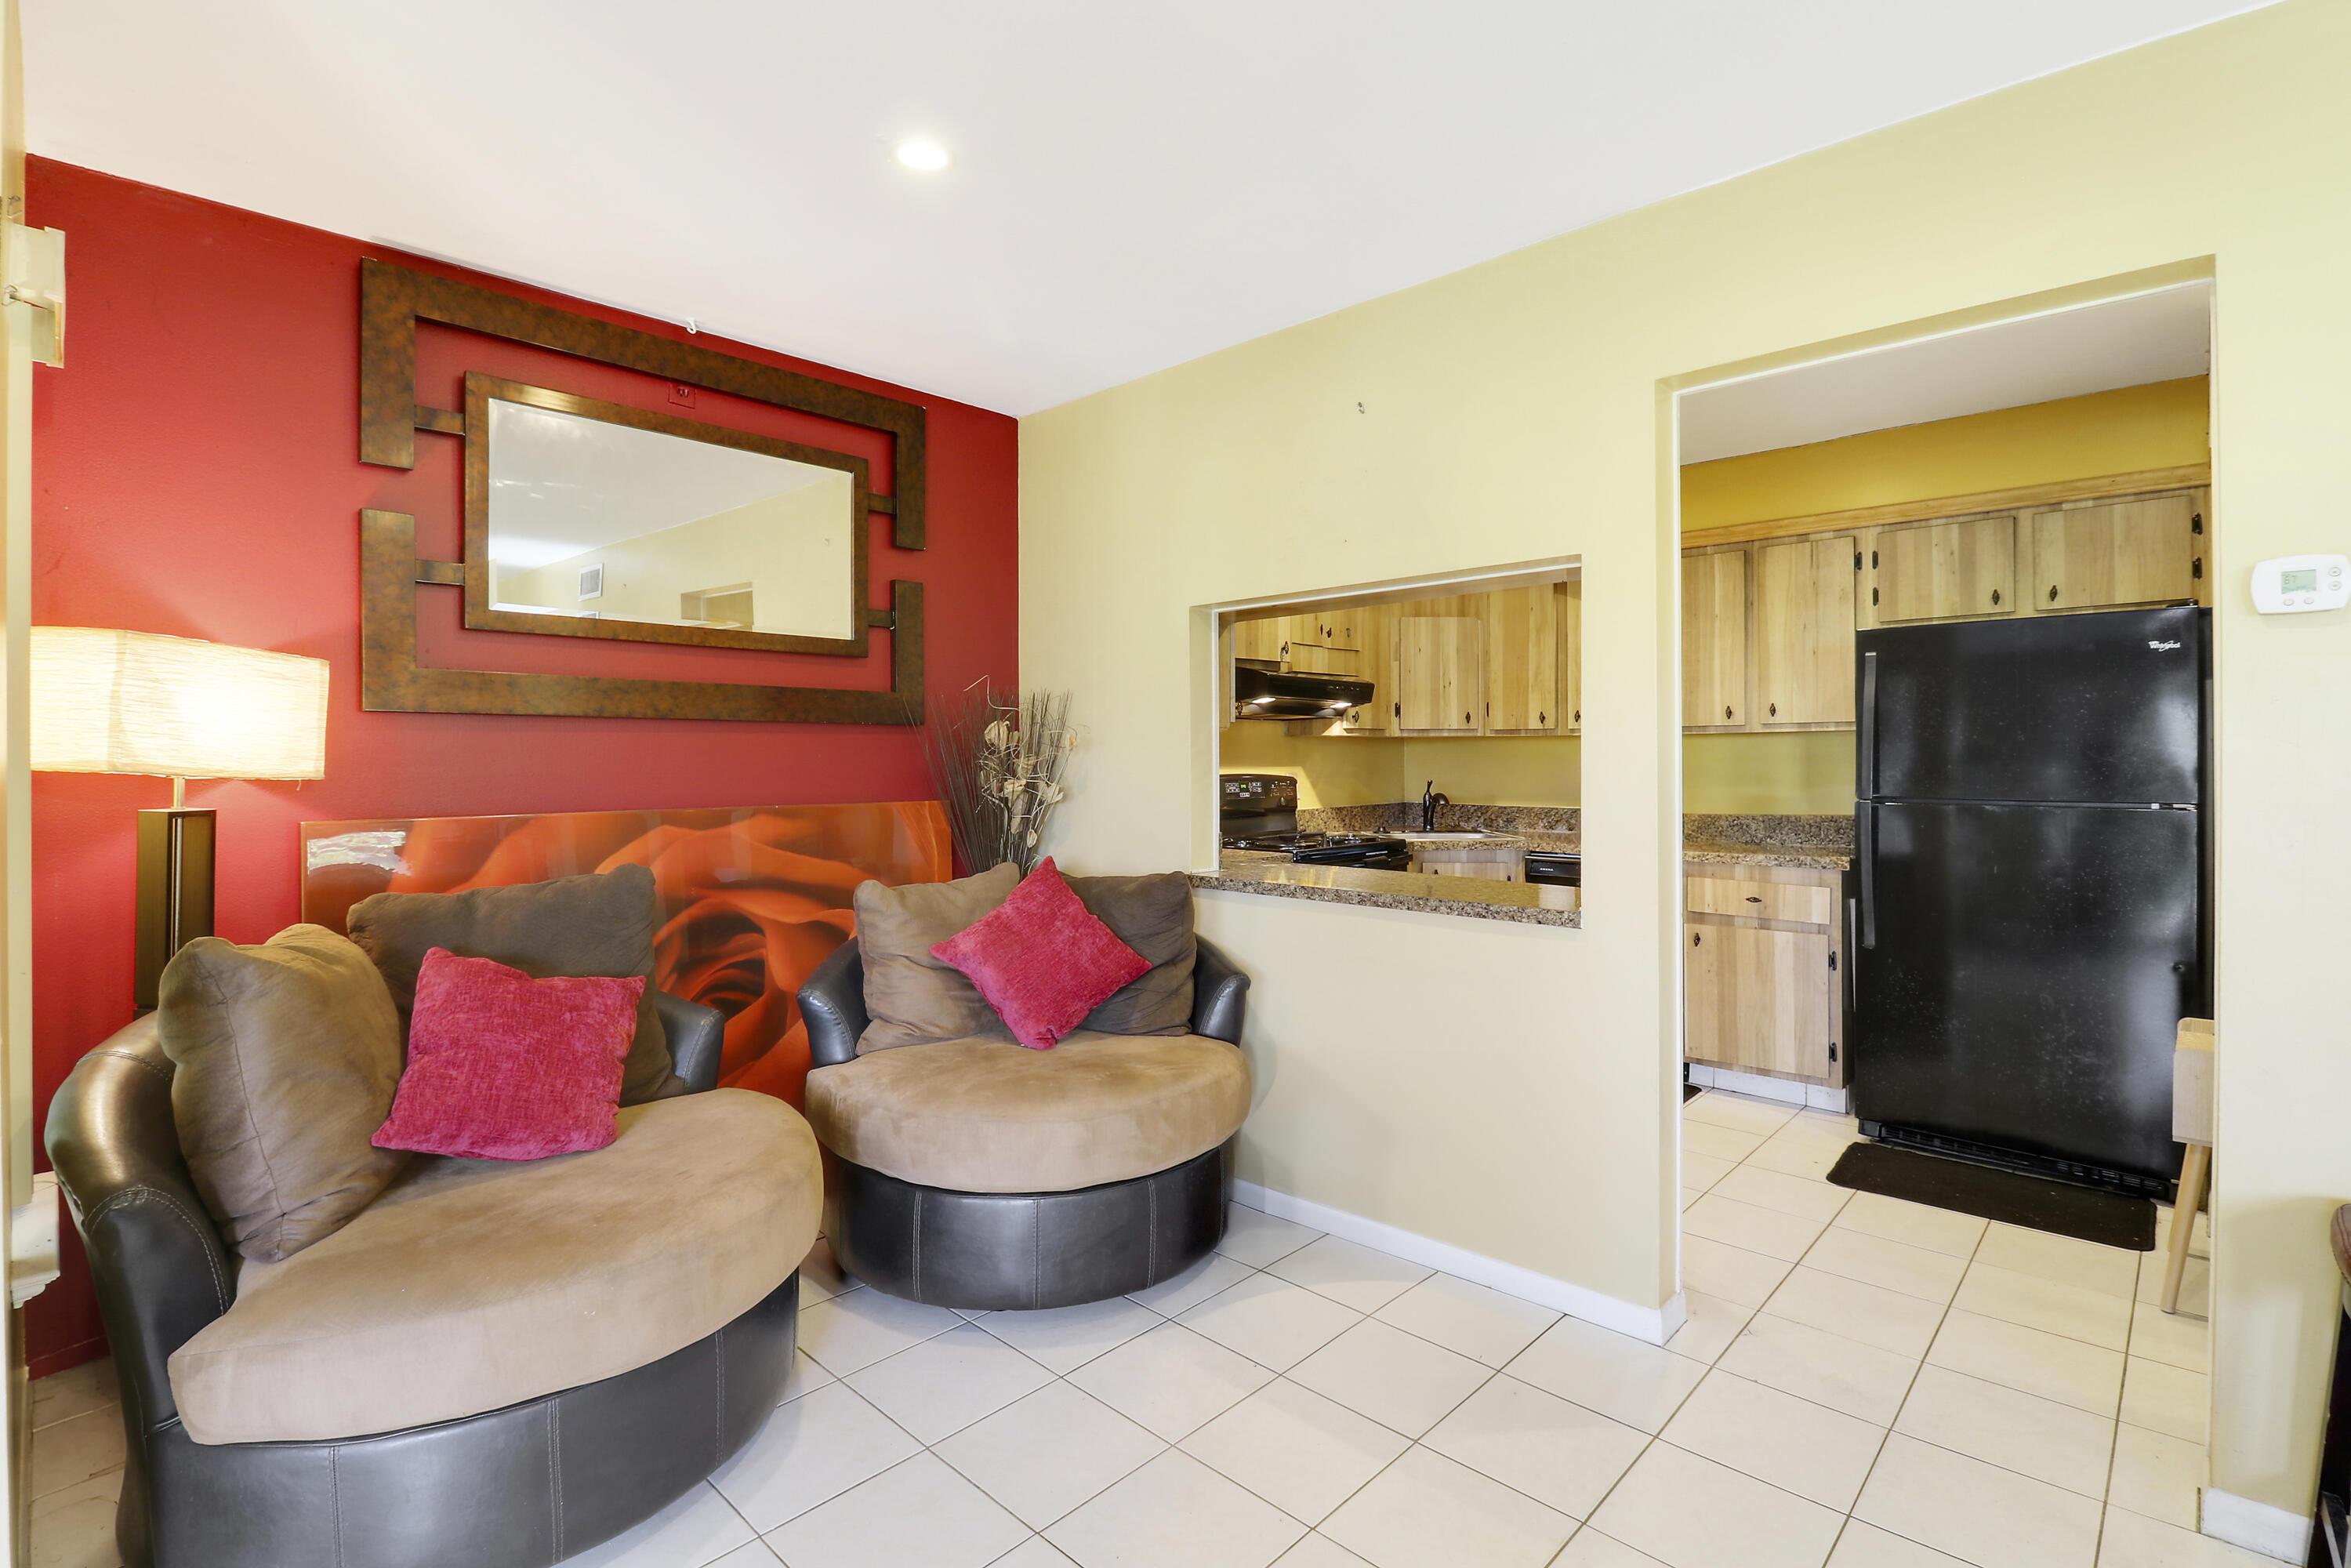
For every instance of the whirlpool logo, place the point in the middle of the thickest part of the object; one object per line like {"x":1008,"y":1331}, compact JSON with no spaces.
{"x":2162,"y":647}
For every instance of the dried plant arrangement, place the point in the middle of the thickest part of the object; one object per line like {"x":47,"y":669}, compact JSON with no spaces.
{"x":997,"y":760}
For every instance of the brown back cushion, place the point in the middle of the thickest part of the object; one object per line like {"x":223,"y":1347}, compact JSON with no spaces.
{"x":911,"y":998}
{"x":592,"y":925}
{"x":1152,"y":915}
{"x":286,"y":1056}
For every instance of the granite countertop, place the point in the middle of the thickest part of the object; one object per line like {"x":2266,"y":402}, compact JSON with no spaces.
{"x":1244,"y":871}
{"x":1813,"y":842}
{"x":1816,"y":857}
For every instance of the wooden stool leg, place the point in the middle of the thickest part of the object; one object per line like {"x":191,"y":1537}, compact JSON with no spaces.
{"x":2193,"y":1169}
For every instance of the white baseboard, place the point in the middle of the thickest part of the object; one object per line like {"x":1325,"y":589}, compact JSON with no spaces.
{"x":2256,"y":1526}
{"x":1655,"y":1325}
{"x":1784,"y":1090}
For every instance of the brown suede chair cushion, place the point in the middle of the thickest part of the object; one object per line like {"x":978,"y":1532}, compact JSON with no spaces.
{"x":286,"y":1055}
{"x":1152,"y":915}
{"x":991,"y":1116}
{"x":911,"y":998}
{"x":600,"y":923}
{"x":471,"y":1285}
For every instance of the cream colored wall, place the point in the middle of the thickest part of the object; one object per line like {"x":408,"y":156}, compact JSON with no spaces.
{"x":1803,"y":773}
{"x":1497,"y":770}
{"x":1355,"y":770}
{"x":792,"y":548}
{"x":1510,"y":1089}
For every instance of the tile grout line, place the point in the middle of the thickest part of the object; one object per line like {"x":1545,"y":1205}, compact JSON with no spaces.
{"x":1916,"y":1371}
{"x":2115,"y":1423}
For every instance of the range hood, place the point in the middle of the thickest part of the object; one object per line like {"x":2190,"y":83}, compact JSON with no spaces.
{"x":1260,"y":693}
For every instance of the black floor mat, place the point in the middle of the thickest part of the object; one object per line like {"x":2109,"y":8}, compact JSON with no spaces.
{"x":2107,"y":1217}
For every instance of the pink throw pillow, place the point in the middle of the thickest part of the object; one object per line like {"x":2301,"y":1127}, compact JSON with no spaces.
{"x":504,"y":1067}
{"x":1041,"y":958}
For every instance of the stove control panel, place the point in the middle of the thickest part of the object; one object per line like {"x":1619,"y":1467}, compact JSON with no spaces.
{"x":1253,"y":794}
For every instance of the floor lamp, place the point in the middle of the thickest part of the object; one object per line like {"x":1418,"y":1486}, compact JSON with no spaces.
{"x":135,"y":701}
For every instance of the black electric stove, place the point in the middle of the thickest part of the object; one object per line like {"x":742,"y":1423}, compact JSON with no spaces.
{"x":1259,"y":811}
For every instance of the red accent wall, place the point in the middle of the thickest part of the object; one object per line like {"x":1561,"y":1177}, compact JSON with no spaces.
{"x":196,"y":472}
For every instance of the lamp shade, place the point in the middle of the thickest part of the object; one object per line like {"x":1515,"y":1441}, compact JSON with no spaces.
{"x":135,"y":702}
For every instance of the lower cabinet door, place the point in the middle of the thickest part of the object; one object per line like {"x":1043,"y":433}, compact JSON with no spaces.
{"x":1757,"y":998}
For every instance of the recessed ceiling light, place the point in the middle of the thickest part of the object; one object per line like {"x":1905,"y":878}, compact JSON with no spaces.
{"x":922,"y":154}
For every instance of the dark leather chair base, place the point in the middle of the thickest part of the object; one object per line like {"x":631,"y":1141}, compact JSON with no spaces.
{"x":524,"y":1487}
{"x":1026,"y":1251}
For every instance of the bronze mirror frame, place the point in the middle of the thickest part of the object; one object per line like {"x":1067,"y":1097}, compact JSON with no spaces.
{"x":392,"y":300}
{"x":482,"y":615}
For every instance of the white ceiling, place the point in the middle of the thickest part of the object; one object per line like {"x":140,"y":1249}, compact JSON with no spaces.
{"x":562,"y":483}
{"x":1134,"y":185}
{"x":2127,"y":342}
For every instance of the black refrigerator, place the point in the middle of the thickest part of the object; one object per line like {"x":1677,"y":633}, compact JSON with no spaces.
{"x":2031,"y":882}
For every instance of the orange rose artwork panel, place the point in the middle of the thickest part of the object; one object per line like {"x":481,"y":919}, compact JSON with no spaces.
{"x":751,"y":899}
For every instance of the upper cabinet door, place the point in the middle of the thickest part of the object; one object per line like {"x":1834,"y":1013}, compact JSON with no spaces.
{"x":1521,"y":649}
{"x":1375,"y":629}
{"x":1714,"y":640}
{"x":2125,"y":552}
{"x":1943,"y":571}
{"x":1804,"y":631}
{"x":1440,"y":675}
{"x":1570,"y":610}
{"x":1268,"y":640}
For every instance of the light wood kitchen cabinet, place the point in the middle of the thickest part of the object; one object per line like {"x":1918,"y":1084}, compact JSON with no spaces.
{"x":1569,"y":612}
{"x":1300,"y":641}
{"x":1804,"y":594}
{"x":1713,"y":639}
{"x":1521,"y":637}
{"x":1762,"y":948}
{"x":2141,"y":551}
{"x":1313,"y":659}
{"x":1440,"y":674}
{"x":1758,"y":1000}
{"x":1945,"y":571}
{"x":1375,"y":629}
{"x":1267,"y":640}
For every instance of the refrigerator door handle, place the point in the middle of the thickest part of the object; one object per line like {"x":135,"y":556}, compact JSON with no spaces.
{"x":1852,"y":955}
{"x":1867,"y":859}
{"x":1867,"y":748}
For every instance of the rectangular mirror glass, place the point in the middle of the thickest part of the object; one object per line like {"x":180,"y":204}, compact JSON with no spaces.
{"x":597,"y":519}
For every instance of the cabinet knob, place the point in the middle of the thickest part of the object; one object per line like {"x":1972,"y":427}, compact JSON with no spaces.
{"x":2053,"y":593}
{"x":1995,"y":596}
{"x":1579,"y":716}
{"x":1775,"y":710}
{"x":1693,"y":939}
{"x":1754,"y":898}
{"x":1467,"y":720}
{"x":1726,"y":710}
{"x":1541,"y":719}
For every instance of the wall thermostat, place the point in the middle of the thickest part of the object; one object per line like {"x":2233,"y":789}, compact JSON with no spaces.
{"x":2290,"y":584}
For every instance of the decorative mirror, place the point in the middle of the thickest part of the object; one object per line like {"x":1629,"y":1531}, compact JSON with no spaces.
{"x":594,"y":519}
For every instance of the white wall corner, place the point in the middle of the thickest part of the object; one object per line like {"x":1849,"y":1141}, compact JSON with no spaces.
{"x":2258,"y":1527}
{"x":1655,"y":1325}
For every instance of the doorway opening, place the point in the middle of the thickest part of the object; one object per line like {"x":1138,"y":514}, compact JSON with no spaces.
{"x":1946,"y":774}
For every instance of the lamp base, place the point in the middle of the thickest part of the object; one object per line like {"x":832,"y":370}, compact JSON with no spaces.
{"x":176,"y":890}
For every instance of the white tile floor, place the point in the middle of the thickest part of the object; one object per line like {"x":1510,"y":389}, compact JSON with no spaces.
{"x":1861,"y":1384}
